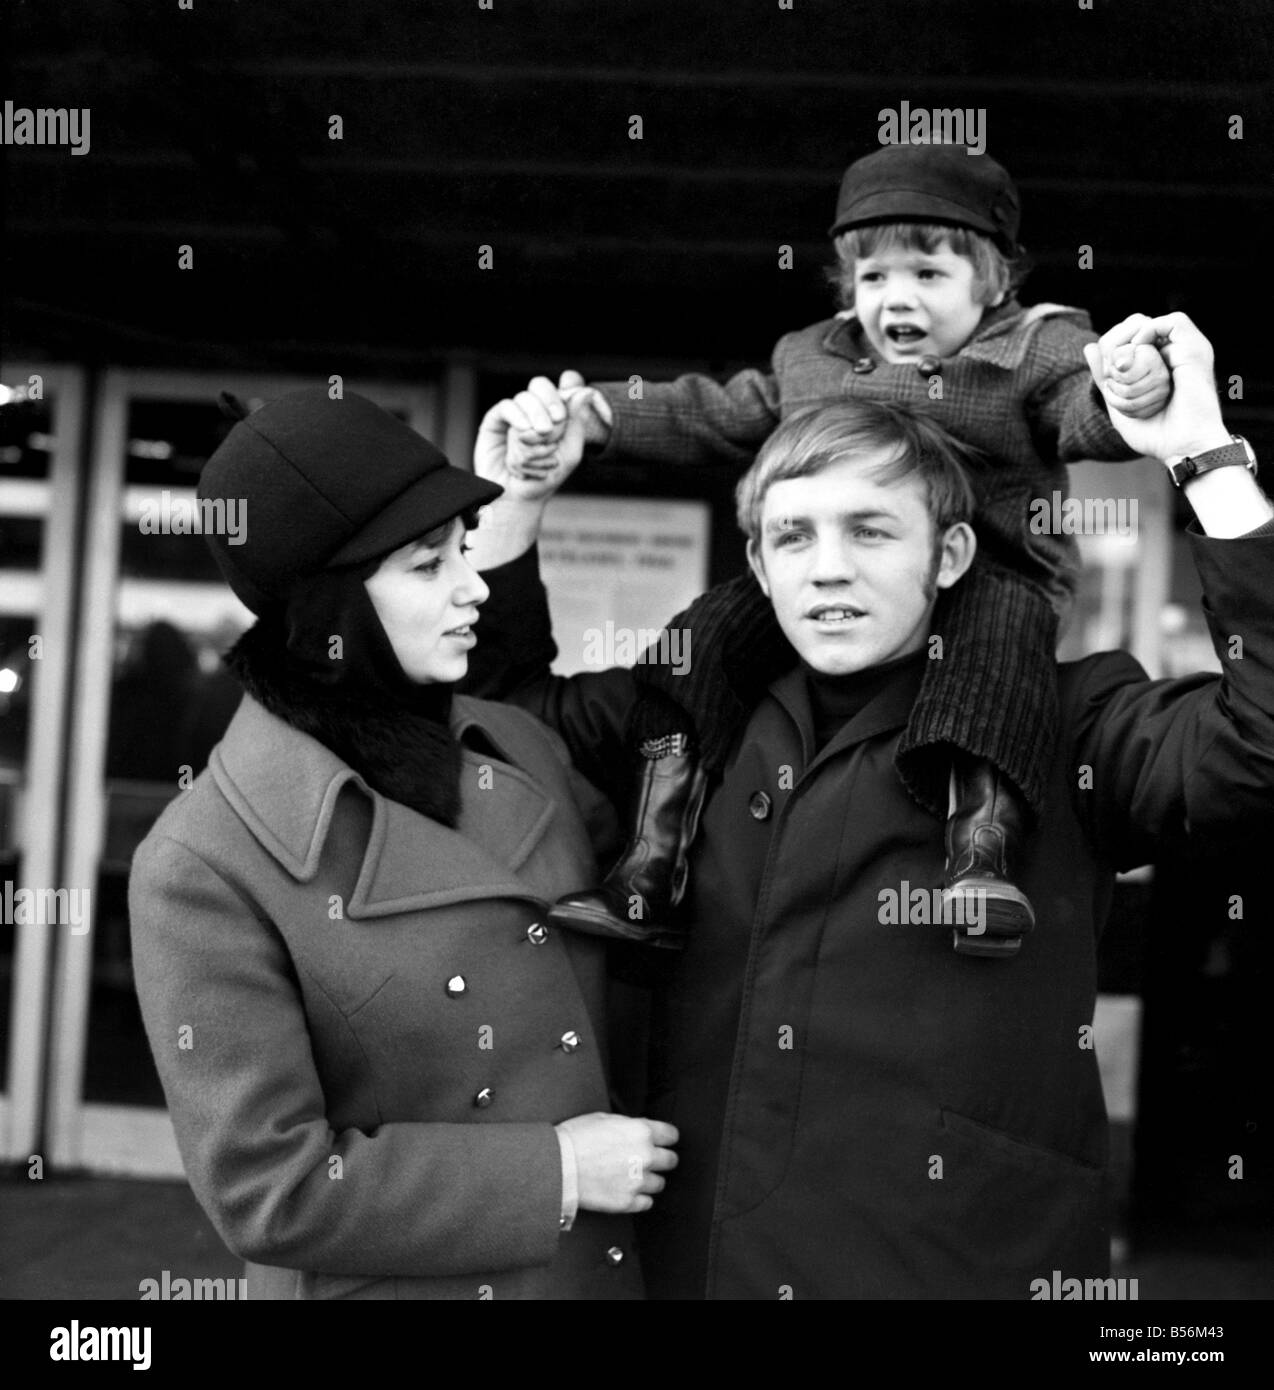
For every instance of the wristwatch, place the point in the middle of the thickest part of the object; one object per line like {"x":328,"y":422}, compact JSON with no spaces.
{"x":1183,"y":467}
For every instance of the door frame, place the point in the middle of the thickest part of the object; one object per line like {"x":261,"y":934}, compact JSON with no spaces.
{"x":39,"y":818}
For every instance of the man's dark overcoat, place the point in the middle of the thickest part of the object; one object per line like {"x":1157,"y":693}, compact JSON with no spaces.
{"x":863,"y":1112}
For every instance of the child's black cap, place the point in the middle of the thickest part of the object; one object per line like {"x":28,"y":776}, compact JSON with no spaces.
{"x":930,"y":183}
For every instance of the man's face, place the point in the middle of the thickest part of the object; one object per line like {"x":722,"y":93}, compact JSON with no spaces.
{"x":849,"y":563}
{"x":913,"y":304}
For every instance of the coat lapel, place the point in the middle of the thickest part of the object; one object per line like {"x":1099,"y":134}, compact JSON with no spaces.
{"x":285,"y":786}
{"x":412,"y":862}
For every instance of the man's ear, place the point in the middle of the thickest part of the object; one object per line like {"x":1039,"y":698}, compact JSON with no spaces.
{"x":758,"y":567}
{"x":955,"y":555}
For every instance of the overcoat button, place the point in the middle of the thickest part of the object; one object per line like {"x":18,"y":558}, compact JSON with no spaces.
{"x":863,"y":365}
{"x":484,"y":1098}
{"x":570,"y":1041}
{"x":929,"y":366}
{"x":537,"y":933}
{"x":759,"y":806}
{"x":614,"y":1256}
{"x":456,"y":986}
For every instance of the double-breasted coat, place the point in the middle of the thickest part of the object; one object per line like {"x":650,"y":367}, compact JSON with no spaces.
{"x":364,"y":1030}
{"x":865,"y":1113}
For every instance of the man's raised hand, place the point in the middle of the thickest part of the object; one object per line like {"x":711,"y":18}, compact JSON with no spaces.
{"x":1190,"y":421}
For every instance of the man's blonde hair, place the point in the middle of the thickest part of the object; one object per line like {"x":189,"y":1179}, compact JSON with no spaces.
{"x":815,"y":438}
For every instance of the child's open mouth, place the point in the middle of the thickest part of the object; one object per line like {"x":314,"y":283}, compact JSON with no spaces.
{"x":903,"y":333}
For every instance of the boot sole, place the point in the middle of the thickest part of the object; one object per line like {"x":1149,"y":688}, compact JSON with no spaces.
{"x":1006,"y":911}
{"x":1001,"y":947}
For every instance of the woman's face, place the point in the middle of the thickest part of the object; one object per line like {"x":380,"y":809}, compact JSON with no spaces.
{"x":426,"y":595}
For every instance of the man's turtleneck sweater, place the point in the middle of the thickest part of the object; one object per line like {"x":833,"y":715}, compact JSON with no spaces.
{"x":834,"y":700}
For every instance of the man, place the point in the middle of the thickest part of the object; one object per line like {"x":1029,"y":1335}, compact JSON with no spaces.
{"x":863,"y":1112}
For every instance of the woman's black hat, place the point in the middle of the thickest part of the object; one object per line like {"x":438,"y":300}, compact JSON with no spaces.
{"x":321,"y":484}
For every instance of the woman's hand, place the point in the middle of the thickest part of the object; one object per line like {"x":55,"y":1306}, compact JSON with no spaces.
{"x":529,"y":444}
{"x":620,"y":1160}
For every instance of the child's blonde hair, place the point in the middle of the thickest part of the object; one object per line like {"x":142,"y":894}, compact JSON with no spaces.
{"x":994,"y":274}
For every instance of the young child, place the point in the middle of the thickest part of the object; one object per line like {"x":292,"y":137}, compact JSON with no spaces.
{"x":926,"y":238}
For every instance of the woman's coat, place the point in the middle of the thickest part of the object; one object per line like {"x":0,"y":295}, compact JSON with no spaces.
{"x":364,"y":1031}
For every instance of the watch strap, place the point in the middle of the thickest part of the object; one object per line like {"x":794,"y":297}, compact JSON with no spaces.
{"x":1238,"y":451}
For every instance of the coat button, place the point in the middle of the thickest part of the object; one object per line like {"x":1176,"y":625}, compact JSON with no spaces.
{"x":614,"y":1256}
{"x":929,"y":366}
{"x":570,"y":1041}
{"x":484,"y":1098}
{"x":759,"y":806}
{"x":537,"y":933}
{"x":863,"y":365}
{"x":456,"y":986}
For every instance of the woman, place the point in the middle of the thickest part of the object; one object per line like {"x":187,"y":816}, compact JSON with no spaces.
{"x":386,"y":1075}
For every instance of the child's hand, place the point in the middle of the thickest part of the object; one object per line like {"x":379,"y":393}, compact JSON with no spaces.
{"x":1191,"y":419}
{"x":1138,"y":382}
{"x":549,"y":413}
{"x":530,"y":444}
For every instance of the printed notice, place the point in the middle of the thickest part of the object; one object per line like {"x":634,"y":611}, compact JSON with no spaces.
{"x":617,"y":569}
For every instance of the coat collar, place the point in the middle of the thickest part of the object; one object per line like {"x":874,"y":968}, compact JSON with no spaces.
{"x":285,"y":786}
{"x":888,"y":710}
{"x":1002,"y":337}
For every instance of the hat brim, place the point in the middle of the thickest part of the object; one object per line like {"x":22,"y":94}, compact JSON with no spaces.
{"x":899,"y":205}
{"x":427,"y":503}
